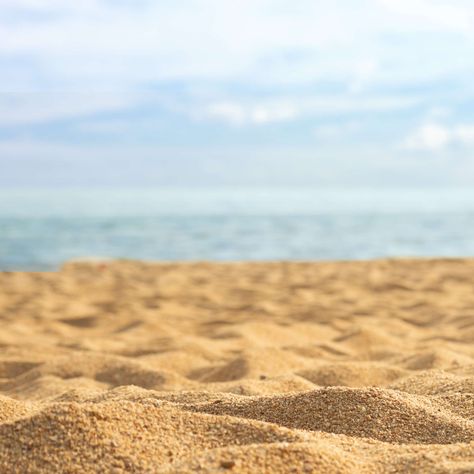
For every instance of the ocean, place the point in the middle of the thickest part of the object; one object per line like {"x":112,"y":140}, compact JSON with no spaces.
{"x":40,"y":229}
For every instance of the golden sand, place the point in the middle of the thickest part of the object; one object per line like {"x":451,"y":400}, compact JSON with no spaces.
{"x":249,"y":367}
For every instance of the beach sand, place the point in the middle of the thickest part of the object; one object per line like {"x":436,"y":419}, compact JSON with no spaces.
{"x":338,"y":367}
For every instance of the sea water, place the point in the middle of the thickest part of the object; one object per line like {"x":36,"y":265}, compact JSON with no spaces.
{"x":40,"y":229}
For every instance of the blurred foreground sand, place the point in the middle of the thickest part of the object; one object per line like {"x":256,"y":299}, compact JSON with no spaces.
{"x":249,"y":367}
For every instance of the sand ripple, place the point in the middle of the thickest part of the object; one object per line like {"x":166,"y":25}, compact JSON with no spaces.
{"x":277,"y":367}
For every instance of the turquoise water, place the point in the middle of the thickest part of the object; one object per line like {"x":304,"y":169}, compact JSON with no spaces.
{"x":40,"y":229}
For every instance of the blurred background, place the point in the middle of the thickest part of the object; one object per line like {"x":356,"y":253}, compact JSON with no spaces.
{"x":244,"y":130}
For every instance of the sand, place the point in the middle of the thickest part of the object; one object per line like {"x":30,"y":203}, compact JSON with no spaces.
{"x":335,"y":367}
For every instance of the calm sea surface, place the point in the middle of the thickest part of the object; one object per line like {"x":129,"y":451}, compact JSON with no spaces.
{"x":40,"y":229}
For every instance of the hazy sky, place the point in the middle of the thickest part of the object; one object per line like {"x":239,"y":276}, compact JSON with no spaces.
{"x":260,"y":92}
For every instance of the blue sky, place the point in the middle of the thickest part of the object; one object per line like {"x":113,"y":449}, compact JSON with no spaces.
{"x":247,"y":92}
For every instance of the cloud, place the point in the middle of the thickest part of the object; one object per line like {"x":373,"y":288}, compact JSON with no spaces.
{"x":103,"y":45}
{"x":236,"y":112}
{"x":435,"y":137}
{"x":240,"y":114}
{"x":38,"y":108}
{"x":150,"y":73}
{"x":159,"y":40}
{"x":464,"y":134}
{"x":455,"y":15}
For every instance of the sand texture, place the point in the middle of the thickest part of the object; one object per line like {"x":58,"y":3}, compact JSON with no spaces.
{"x":340,"y":367}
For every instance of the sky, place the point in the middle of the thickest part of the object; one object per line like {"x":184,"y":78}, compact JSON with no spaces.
{"x":236,"y":92}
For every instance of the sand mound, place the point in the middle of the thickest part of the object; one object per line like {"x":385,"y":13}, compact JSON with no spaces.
{"x":93,"y":371}
{"x":370,"y":413}
{"x":354,"y":374}
{"x":264,"y":385}
{"x":135,"y":437}
{"x":278,"y":458}
{"x":248,"y":367}
{"x":254,"y":364}
{"x":436,"y":359}
{"x":435,"y":382}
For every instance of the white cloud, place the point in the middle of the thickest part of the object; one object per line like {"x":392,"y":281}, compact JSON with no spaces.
{"x":227,"y":111}
{"x":261,"y":112}
{"x":464,"y":133}
{"x":106,"y":45}
{"x":291,"y":50}
{"x":203,"y":38}
{"x":436,"y":137}
{"x":20,"y":109}
{"x":453,"y":15}
{"x":241,"y":114}
{"x":112,"y":126}
{"x":428,"y":137}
